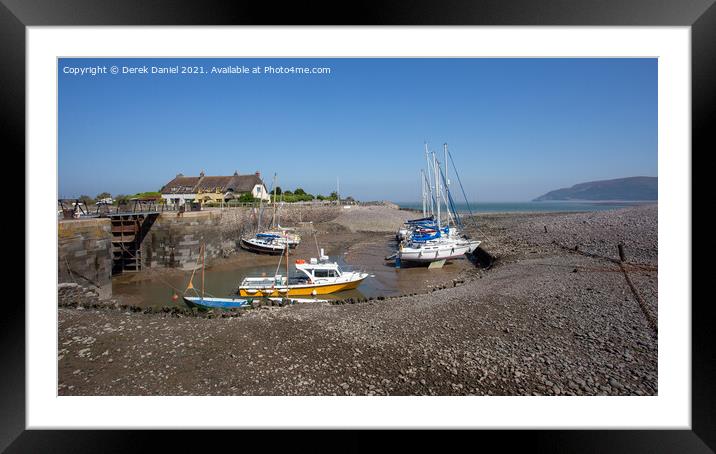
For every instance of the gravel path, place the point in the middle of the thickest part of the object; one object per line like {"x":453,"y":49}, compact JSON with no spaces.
{"x":544,"y":320}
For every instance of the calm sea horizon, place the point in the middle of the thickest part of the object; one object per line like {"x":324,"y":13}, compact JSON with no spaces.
{"x":508,"y":207}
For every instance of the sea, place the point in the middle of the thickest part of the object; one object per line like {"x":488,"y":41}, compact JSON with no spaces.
{"x":550,"y":206}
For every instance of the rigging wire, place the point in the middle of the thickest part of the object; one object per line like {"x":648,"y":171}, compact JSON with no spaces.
{"x":469,"y":209}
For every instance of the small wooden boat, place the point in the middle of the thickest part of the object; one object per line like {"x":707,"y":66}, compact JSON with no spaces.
{"x":216,"y":303}
{"x":200,"y":300}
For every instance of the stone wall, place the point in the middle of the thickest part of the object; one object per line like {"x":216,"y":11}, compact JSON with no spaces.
{"x":175,"y":241}
{"x":85,"y":246}
{"x":85,"y":254}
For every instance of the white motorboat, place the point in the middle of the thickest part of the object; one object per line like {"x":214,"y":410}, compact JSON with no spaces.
{"x":315,"y":277}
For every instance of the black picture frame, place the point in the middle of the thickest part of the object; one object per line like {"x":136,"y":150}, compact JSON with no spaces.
{"x":700,"y":15}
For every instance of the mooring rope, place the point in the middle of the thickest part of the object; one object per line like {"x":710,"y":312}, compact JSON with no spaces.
{"x":652,"y":322}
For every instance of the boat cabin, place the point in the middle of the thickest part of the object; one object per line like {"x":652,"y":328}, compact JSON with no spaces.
{"x":316,"y":271}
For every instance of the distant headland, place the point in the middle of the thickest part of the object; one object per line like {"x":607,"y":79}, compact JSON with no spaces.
{"x":632,"y":188}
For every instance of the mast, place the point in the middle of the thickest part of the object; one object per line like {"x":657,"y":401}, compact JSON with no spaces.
{"x":445,"y":196}
{"x":430,"y":187}
{"x":261,"y":212}
{"x":203,"y":261}
{"x":422,"y":190}
{"x":445,"y":160}
{"x":437,"y":189}
{"x":273,"y":221}
{"x":447,"y":183}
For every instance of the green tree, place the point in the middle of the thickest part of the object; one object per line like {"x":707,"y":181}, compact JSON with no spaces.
{"x":278,"y":190}
{"x":86,"y":199}
{"x":299,"y":191}
{"x":121,"y":199}
{"x":103,"y":195}
{"x":246,"y":197}
{"x":148,"y":195}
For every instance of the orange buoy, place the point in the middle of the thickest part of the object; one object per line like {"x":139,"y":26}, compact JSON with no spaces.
{"x":300,"y":261}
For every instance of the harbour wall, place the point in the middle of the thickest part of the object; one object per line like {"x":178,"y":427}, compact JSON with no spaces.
{"x":85,"y":245}
{"x":85,"y":254}
{"x":175,"y":241}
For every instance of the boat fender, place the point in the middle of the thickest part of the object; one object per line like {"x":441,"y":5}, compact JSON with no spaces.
{"x":314,"y":293}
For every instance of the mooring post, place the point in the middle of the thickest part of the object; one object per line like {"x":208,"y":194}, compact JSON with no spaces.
{"x":545,"y":229}
{"x":622,"y":258}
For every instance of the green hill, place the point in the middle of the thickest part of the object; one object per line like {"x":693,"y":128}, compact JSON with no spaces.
{"x":632,"y":188}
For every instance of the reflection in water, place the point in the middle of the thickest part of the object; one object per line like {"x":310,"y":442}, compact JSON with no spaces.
{"x":152,"y":288}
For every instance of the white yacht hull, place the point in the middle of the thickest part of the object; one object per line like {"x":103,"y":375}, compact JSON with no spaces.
{"x":432,"y":252}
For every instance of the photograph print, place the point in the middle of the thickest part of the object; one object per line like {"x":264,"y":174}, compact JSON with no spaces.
{"x":357,"y":226}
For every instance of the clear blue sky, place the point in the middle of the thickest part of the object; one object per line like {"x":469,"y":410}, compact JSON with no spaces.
{"x":517,"y":128}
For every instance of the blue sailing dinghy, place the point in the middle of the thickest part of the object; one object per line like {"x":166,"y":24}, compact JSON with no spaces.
{"x":215,"y":303}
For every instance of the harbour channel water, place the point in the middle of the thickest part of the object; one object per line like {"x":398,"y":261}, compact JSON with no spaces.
{"x":156,"y":288}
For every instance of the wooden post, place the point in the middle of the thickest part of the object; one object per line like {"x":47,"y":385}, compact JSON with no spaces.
{"x":622,"y":257}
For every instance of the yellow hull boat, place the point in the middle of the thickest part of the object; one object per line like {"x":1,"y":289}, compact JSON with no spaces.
{"x":299,"y":290}
{"x":317,"y":277}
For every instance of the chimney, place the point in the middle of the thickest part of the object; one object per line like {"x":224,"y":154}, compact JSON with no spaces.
{"x":180,"y":174}
{"x":258,"y":174}
{"x":201,"y":174}
{"x":236,"y":173}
